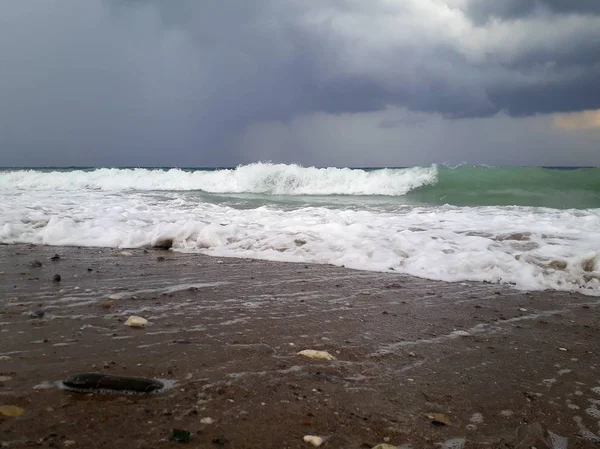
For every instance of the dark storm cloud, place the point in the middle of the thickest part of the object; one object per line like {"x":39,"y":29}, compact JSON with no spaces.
{"x":484,"y":10}
{"x":176,"y":81}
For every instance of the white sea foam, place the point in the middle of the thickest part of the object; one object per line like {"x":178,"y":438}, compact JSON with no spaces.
{"x":280,"y":179}
{"x":446,"y":243}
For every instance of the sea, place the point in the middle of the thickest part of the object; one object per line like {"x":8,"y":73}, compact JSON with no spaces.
{"x":534,"y":228}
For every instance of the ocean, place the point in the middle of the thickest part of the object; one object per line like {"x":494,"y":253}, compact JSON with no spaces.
{"x":531,"y":227}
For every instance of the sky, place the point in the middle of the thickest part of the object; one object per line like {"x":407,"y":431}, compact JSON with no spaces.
{"x":314,"y":82}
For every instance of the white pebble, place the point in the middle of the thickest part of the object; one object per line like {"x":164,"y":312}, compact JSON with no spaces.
{"x":320,"y":355}
{"x":312,"y":439}
{"x":136,"y":321}
{"x":461,"y":333}
{"x":206,"y":420}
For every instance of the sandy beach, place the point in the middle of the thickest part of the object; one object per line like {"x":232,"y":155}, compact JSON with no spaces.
{"x":224,"y":334}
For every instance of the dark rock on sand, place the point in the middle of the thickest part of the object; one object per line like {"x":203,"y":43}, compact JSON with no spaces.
{"x":87,"y":382}
{"x":181,"y":436}
{"x":56,"y":278}
{"x":37,"y":314}
{"x":36,"y":264}
{"x":160,"y":259}
{"x":165,"y":243}
{"x":55,"y":257}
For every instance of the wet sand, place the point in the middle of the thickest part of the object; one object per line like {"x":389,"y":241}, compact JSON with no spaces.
{"x":227,"y":333}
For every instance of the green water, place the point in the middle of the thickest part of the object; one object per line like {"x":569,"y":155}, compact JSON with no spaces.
{"x":512,"y":186}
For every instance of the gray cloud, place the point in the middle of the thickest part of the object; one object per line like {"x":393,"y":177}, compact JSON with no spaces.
{"x":484,"y":10}
{"x":161,"y":82}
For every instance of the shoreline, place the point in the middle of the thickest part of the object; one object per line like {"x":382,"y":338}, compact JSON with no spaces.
{"x":487,"y":356}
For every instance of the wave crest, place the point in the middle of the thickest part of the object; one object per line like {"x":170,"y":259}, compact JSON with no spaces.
{"x":267,"y":178}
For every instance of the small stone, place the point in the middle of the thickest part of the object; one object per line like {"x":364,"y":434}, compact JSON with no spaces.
{"x":163,"y":243}
{"x":319,"y":355}
{"x":160,"y":259}
{"x":11,"y":410}
{"x":136,"y":322}
{"x":88,"y":382}
{"x":56,"y":278}
{"x":461,"y":333}
{"x":522,"y":309}
{"x":412,"y":354}
{"x":5,"y":378}
{"x":313,"y":439}
{"x":37,"y":314}
{"x":365,"y":293}
{"x":126,"y":253}
{"x":55,"y":257}
{"x":69,"y":443}
{"x":206,"y":420}
{"x":105,"y":304}
{"x":36,"y":264}
{"x":562,"y":349}
{"x":384,"y":446}
{"x":181,"y":436}
{"x":117,"y":296}
{"x":438,"y":419}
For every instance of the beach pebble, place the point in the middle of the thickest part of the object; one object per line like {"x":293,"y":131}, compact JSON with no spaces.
{"x":5,"y":378}
{"x":438,"y":419}
{"x":180,"y":436}
{"x":206,"y":420}
{"x":136,"y":321}
{"x":11,"y":410}
{"x":37,"y":314}
{"x":126,"y":254}
{"x":384,"y":446}
{"x":69,"y":443}
{"x":312,"y":439}
{"x":116,"y":296}
{"x":36,"y":264}
{"x":55,"y":257}
{"x":163,"y":243}
{"x":319,"y":355}
{"x":562,"y":349}
{"x":461,"y":333}
{"x":98,"y":381}
{"x":56,"y":278}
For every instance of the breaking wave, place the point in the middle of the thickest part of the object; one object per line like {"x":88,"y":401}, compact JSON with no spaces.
{"x":265,"y":178}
